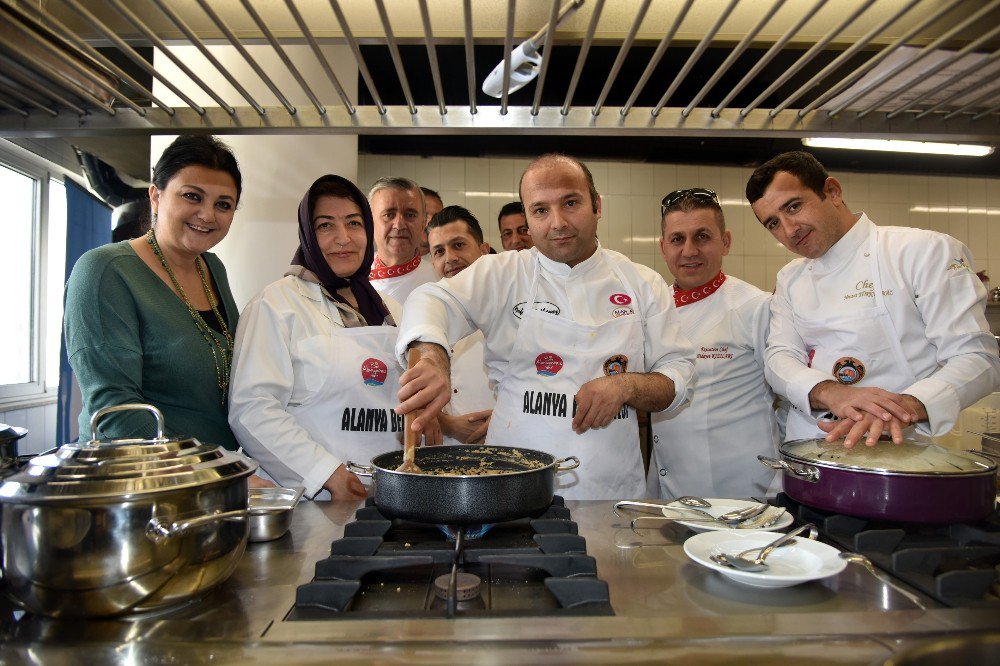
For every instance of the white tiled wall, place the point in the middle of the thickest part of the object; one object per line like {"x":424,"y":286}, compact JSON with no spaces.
{"x":967,"y":208}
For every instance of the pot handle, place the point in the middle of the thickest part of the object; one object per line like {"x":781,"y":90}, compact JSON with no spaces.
{"x":360,"y":470}
{"x":573,"y":460}
{"x":804,"y":472}
{"x":159,"y":530}
{"x":157,"y":414}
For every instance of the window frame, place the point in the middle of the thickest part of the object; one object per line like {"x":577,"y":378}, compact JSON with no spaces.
{"x":34,"y":392}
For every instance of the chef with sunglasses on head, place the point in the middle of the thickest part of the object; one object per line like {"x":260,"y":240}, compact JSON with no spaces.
{"x":709,"y":447}
{"x":881,"y":327}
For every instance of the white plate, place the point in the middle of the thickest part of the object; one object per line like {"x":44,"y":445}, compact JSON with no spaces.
{"x":719,"y":507}
{"x":800,"y":562}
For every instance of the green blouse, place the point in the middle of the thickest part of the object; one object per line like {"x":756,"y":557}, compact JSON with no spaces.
{"x":129,"y":338}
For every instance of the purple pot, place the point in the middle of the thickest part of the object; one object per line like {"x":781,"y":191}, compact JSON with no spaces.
{"x":908,"y":482}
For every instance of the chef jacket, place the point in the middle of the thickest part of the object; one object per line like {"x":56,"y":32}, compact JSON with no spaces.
{"x":935,"y":304}
{"x":280,"y":359}
{"x":399,"y":286}
{"x":470,"y":385}
{"x":491,"y":295}
{"x":709,"y":447}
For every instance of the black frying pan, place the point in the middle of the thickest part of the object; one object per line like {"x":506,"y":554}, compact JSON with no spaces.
{"x":523,"y":485}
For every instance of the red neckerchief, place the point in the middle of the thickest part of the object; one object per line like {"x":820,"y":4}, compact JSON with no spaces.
{"x":380,"y":271}
{"x":684,"y":297}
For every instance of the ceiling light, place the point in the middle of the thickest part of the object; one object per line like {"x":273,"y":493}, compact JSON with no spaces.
{"x":897,"y":146}
{"x":961,"y":210}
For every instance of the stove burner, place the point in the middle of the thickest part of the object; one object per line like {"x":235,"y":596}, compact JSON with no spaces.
{"x":383,"y":568}
{"x":466,"y":586}
{"x":472,"y":532}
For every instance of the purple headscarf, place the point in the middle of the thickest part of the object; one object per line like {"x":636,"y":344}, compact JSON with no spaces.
{"x":309,"y":255}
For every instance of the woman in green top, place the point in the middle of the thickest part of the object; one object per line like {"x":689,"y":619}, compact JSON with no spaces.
{"x":151,"y":319}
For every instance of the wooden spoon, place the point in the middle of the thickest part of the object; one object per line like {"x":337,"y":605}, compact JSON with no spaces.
{"x":410,"y":436}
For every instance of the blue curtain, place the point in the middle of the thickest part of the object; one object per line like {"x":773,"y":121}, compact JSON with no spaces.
{"x":88,"y":225}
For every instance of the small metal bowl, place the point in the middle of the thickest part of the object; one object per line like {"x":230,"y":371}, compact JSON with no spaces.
{"x":271,"y":512}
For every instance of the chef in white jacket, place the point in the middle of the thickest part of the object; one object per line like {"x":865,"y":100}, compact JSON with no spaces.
{"x":456,"y":242}
{"x":882,"y":328}
{"x":577,"y":338}
{"x":398,"y":208}
{"x":709,"y":447}
{"x":314,"y":372}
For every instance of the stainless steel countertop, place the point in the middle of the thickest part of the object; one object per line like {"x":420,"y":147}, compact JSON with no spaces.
{"x":665,"y":605}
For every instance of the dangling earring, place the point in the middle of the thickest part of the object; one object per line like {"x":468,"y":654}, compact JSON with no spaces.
{"x":152,"y":219}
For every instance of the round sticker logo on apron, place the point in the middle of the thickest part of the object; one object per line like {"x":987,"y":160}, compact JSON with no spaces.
{"x":849,"y":370}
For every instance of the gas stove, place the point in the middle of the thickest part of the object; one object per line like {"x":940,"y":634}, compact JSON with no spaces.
{"x":958,"y":564}
{"x":395,"y":569}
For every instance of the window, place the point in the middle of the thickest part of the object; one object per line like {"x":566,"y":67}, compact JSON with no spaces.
{"x":33,"y":239}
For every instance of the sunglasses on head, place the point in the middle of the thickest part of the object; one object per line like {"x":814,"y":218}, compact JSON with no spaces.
{"x":677,"y":196}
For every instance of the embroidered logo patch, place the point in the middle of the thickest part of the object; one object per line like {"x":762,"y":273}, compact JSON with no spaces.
{"x":848,"y":370}
{"x":622,"y":312}
{"x":620,"y":299}
{"x":374,"y":372}
{"x":544,"y":306}
{"x":548,"y":364}
{"x":958,"y":265}
{"x":616,"y":365}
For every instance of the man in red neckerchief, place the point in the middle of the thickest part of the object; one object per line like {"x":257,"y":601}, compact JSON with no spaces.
{"x":709,"y":448}
{"x":398,"y":207}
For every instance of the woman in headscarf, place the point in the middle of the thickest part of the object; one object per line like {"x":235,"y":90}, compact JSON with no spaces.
{"x":314,"y":376}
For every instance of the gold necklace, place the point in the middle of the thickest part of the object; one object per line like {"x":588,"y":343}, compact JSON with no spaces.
{"x":221,"y":351}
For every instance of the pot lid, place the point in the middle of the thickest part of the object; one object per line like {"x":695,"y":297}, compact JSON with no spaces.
{"x":123,"y":468}
{"x":907,"y":458}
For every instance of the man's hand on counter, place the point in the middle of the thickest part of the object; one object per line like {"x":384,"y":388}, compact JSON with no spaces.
{"x":426,"y":387}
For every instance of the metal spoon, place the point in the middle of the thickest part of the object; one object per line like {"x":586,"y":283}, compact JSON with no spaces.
{"x":734,"y":516}
{"x":757,"y":564}
{"x":687,"y":500}
{"x":735,"y":562}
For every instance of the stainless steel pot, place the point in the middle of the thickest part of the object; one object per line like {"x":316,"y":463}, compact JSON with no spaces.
{"x":104,"y":528}
{"x":909,"y":482}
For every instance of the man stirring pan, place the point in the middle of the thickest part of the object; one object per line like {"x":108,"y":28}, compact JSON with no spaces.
{"x":577,"y":338}
{"x":880,"y":327}
{"x":709,"y":447}
{"x":456,"y":241}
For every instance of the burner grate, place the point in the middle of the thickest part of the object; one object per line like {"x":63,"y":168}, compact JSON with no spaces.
{"x":387,"y":569}
{"x":958,"y":565}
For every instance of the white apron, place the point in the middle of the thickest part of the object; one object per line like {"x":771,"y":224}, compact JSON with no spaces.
{"x":841,"y":339}
{"x":552,"y":358}
{"x":350,"y":412}
{"x":709,"y":447}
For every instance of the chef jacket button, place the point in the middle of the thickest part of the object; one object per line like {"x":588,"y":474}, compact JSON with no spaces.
{"x":867,"y":254}
{"x":454,"y":390}
{"x":663,"y":472}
